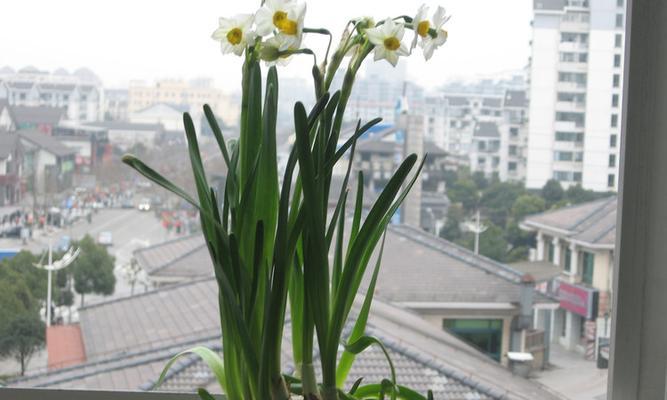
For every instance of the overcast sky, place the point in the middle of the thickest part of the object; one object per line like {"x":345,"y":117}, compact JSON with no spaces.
{"x":122,"y":40}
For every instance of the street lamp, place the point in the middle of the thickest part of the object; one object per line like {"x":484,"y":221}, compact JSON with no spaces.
{"x":67,"y":259}
{"x":477,"y":228}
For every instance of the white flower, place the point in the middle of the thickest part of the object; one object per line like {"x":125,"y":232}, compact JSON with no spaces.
{"x":272,"y":48}
{"x":425,"y":28}
{"x":387,"y":40}
{"x":234,"y":33}
{"x":285,"y":17}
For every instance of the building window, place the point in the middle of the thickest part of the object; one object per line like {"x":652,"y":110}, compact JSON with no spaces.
{"x":576,"y":177}
{"x":569,"y":137}
{"x":511,"y":166}
{"x":612,"y":160}
{"x":617,"y":80}
{"x":512,"y":150}
{"x":619,"y":20}
{"x":578,"y":156}
{"x":563,"y":156}
{"x":484,"y":334}
{"x":611,"y":178}
{"x":617,"y":60}
{"x":568,"y":255}
{"x":614,"y":120}
{"x":577,"y":118}
{"x":587,"y":270}
{"x":614,"y":100}
{"x":571,"y":97}
{"x":552,"y":249}
{"x":620,"y":3}
{"x":612,"y":141}
{"x":618,"y":42}
{"x":514,"y":131}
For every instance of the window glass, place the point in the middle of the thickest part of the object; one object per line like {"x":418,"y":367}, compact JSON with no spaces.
{"x":588,"y":261}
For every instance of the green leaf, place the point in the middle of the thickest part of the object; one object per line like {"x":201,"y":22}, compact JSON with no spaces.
{"x":347,"y":358}
{"x":363,"y":343}
{"x":204,"y":394}
{"x":158,"y":179}
{"x":355,"y":385}
{"x":211,"y":358}
{"x":217,"y":132}
{"x":374,"y":390}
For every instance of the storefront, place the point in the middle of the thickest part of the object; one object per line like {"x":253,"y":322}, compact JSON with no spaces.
{"x":574,"y":323}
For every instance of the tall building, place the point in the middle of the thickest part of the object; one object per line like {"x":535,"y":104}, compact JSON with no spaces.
{"x":575,"y":93}
{"x":79,"y":93}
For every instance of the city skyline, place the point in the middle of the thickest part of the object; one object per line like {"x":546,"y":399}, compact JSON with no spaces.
{"x":121,"y":55}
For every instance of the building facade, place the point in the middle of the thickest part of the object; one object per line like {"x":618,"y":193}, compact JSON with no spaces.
{"x":578,"y":241}
{"x":79,"y":93}
{"x":576,"y":71}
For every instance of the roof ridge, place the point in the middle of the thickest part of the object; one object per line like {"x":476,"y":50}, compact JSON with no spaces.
{"x":599,"y":210}
{"x":149,"y":292}
{"x":178,"y":258}
{"x":458,"y":248}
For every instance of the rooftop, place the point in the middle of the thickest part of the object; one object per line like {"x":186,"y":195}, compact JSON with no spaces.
{"x":36,"y":115}
{"x":47,"y":143}
{"x":592,"y":224}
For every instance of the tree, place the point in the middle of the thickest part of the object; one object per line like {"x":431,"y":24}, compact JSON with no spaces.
{"x":577,"y":194}
{"x":480,"y":180}
{"x":23,"y":335}
{"x":452,"y":229}
{"x":552,"y":192}
{"x":492,"y":242}
{"x":93,"y":269}
{"x":527,"y":204}
{"x":498,"y":199}
{"x":464,"y":191}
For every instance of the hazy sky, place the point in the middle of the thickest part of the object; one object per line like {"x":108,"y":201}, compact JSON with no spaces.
{"x":123,"y":40}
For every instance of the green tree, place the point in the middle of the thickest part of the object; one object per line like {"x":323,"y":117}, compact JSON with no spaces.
{"x":498,"y":199}
{"x":93,"y":269}
{"x":552,"y":192}
{"x":527,"y":204}
{"x":577,"y":194}
{"x":452,"y":229}
{"x":464,"y":191}
{"x":480,"y":180}
{"x":22,"y":337}
{"x":492,"y":242}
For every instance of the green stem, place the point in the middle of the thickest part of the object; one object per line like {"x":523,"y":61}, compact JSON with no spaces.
{"x":309,"y":382}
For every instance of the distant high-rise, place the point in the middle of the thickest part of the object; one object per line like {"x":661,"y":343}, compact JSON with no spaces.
{"x":575,"y":93}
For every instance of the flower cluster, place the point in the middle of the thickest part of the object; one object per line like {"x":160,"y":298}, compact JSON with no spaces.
{"x":276,"y":29}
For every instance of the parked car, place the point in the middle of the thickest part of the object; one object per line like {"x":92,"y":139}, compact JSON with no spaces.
{"x":105,"y":238}
{"x":11,"y":232}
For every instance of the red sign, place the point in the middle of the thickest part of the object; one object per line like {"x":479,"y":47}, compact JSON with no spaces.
{"x":578,"y":299}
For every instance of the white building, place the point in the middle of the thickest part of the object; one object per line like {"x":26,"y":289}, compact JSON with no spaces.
{"x":80,"y":92}
{"x":575,"y":93}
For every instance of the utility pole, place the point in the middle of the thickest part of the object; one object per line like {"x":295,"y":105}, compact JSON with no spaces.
{"x":67,"y":259}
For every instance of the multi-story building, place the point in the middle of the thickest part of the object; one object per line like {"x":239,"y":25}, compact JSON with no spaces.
{"x":488,"y":127}
{"x":79,"y":93}
{"x":575,"y":93}
{"x":193,"y":93}
{"x":115,"y":104}
{"x":578,"y":243}
{"x":11,"y":160}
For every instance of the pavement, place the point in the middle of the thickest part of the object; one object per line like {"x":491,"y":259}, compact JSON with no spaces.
{"x":573,"y":377}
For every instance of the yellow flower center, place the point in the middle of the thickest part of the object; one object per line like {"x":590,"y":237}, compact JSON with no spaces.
{"x":423,"y":27}
{"x":391,"y":43}
{"x":284,"y":24}
{"x":234,"y":36}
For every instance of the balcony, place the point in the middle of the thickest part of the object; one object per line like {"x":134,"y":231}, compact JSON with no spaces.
{"x":572,"y":46}
{"x":570,"y":106}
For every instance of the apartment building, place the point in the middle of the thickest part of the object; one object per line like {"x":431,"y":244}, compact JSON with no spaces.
{"x":486,"y":127}
{"x":193,"y":94}
{"x":575,"y":93}
{"x":79,"y":93}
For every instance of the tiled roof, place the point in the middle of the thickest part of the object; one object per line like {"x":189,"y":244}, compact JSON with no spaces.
{"x":181,"y":257}
{"x":37,"y":115}
{"x":126,"y":126}
{"x":378,"y":146}
{"x":47,"y":143}
{"x":420,"y":267}
{"x":486,"y":129}
{"x":8,"y":143}
{"x":592,"y":223}
{"x":128,"y":341}
{"x":433,"y":149}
